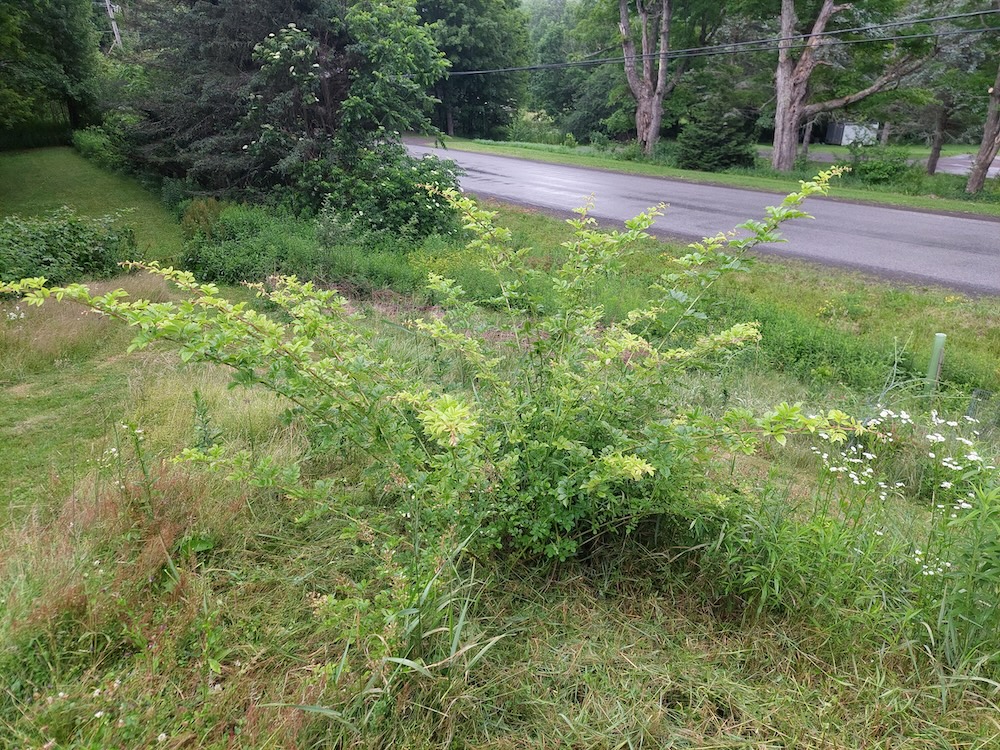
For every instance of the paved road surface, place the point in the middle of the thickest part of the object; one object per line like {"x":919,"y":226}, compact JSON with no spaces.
{"x":957,"y":252}
{"x":962,"y":164}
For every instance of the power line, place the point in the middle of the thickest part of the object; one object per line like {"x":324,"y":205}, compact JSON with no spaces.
{"x":759,"y":45}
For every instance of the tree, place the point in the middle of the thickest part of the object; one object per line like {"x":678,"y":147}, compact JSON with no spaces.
{"x":249,"y":94}
{"x":990,"y":145}
{"x":793,"y":75}
{"x":478,"y":35}
{"x":48,"y":53}
{"x":550,"y":31}
{"x":646,"y":71}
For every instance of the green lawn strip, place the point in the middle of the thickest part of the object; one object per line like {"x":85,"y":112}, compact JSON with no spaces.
{"x":37,"y":181}
{"x":859,"y":313}
{"x":818,"y":321}
{"x":871,"y":196}
{"x":914,"y":151}
{"x":52,"y":426}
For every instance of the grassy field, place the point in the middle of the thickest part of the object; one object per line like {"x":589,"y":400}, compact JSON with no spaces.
{"x":836,"y":315}
{"x":151,"y":603}
{"x":583,"y":157}
{"x":38,"y":181}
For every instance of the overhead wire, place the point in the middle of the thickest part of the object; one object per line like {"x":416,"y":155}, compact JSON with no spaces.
{"x":762,"y":45}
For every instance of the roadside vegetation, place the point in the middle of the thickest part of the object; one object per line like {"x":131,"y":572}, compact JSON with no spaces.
{"x":279,"y":587}
{"x":339,"y":457}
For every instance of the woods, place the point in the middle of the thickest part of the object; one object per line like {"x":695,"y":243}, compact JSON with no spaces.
{"x":252,"y":96}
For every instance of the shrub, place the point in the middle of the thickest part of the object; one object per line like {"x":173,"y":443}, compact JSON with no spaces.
{"x":665,"y":153}
{"x":95,"y":144}
{"x":200,"y":217}
{"x":599,"y":141}
{"x":878,"y":165}
{"x":533,"y":128}
{"x":380,"y":190}
{"x":716,"y":138}
{"x":247,"y":243}
{"x":631,"y":151}
{"x":536,"y":455}
{"x":233,"y":243}
{"x":176,"y":194}
{"x":64,"y":246}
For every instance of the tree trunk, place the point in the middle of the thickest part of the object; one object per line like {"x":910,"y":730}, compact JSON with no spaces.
{"x":990,"y":145}
{"x":788,"y":93}
{"x":791,"y":81}
{"x":937,"y":139}
{"x":74,"y":113}
{"x":786,"y":137}
{"x":807,"y":132}
{"x":883,"y":137}
{"x":651,"y":85}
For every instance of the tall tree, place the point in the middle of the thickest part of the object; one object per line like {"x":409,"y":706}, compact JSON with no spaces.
{"x":794,"y":73}
{"x":989,"y":147}
{"x":656,"y":25}
{"x":253,"y":93}
{"x":646,"y":70}
{"x":478,"y":35}
{"x":48,"y":53}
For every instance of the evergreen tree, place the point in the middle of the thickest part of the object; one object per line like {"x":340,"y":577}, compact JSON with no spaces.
{"x":248,"y":94}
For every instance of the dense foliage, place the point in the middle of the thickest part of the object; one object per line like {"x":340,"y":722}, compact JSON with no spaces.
{"x":252,"y":98}
{"x":63,"y":247}
{"x":478,"y":35}
{"x":715,"y":138}
{"x":49,"y":57}
{"x":585,"y":437}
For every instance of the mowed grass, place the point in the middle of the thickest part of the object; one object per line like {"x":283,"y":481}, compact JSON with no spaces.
{"x":63,"y":388}
{"x":37,"y":181}
{"x":62,"y":379}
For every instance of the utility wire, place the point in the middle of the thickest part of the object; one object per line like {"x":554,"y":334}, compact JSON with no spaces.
{"x":759,"y":45}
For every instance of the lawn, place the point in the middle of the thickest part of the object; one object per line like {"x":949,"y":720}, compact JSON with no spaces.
{"x":40,"y":180}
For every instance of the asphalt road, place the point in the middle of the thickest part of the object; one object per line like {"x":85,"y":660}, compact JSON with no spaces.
{"x":925,"y":248}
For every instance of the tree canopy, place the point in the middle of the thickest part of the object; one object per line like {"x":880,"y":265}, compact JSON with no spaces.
{"x":252,"y":93}
{"x":48,"y":58}
{"x":478,"y":35}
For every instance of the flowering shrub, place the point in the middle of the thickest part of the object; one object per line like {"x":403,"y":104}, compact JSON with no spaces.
{"x":579,"y":433}
{"x":381,"y":193}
